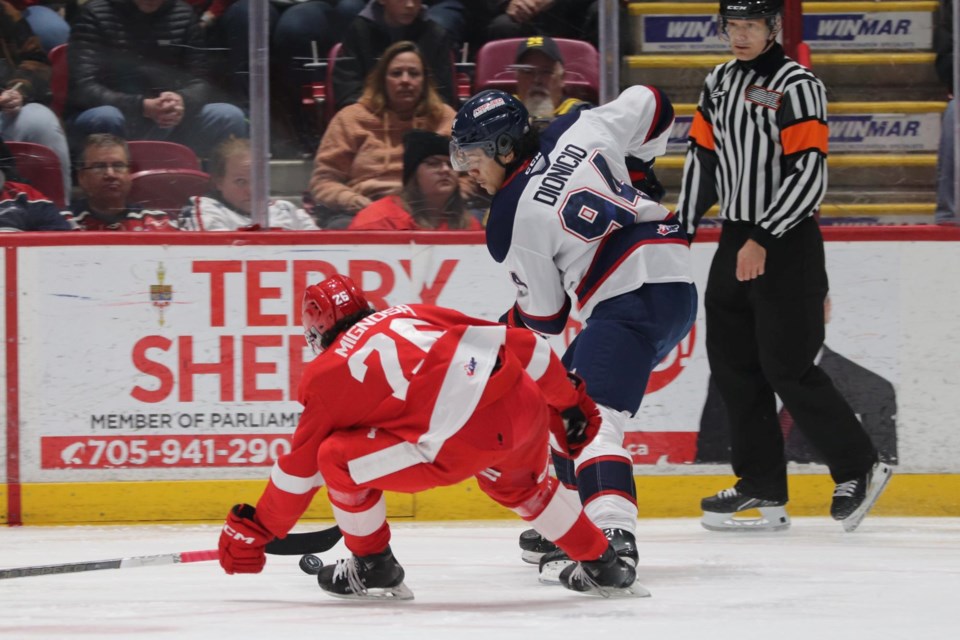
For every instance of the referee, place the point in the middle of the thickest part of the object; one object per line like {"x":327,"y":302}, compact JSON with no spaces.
{"x":758,"y":145}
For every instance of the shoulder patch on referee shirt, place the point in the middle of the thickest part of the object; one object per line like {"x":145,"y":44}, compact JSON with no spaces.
{"x":763,"y":97}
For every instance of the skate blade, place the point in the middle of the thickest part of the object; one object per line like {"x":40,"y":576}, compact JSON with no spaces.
{"x":531,"y":557}
{"x":550,"y":574}
{"x":771,"y":519}
{"x":635,"y":590}
{"x":878,"y":482}
{"x":398,"y":593}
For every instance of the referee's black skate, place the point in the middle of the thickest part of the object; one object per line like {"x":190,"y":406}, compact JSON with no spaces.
{"x":374,"y":577}
{"x":852,"y":500}
{"x":553,"y":563}
{"x":720,"y":512}
{"x":533,"y":546}
{"x":610,"y":576}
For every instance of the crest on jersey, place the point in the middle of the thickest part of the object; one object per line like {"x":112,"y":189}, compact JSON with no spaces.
{"x":522,"y":288}
{"x":470,"y":367}
{"x":667,"y":229}
{"x":763,"y":97}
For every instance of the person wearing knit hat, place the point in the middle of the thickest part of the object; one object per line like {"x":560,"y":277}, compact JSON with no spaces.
{"x":431,"y":197}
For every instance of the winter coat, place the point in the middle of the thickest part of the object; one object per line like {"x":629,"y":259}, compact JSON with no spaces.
{"x":360,"y":158}
{"x":120,"y":56}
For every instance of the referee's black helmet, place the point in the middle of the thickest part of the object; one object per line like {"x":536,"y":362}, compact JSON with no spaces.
{"x":750,"y":9}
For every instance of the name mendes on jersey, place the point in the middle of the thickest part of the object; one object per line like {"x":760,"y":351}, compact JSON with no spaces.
{"x":350,"y":337}
{"x":554,"y":181}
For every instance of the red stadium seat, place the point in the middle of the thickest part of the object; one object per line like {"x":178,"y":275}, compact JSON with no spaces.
{"x":156,"y":154}
{"x":38,"y":165}
{"x":167,"y":189}
{"x":581,"y":62}
{"x":319,"y":95}
{"x":58,"y":77}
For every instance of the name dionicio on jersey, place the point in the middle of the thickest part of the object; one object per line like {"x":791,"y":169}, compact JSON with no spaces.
{"x":555,"y":180}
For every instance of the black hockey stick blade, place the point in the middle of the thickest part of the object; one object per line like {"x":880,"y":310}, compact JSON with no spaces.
{"x":298,"y":544}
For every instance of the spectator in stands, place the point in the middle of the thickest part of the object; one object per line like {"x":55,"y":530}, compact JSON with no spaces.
{"x":228,"y":207}
{"x":577,"y":19}
{"x":23,"y":208}
{"x":540,"y":77}
{"x":430,"y":198}
{"x":104,"y":176}
{"x":46,"y":19}
{"x":25,"y":76}
{"x":138,"y":71}
{"x":946,"y":212}
{"x":381,"y":23}
{"x":360,"y":158}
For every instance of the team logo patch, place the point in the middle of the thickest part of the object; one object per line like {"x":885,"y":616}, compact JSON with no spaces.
{"x":493,"y":104}
{"x":471,"y":367}
{"x":667,"y":229}
{"x":763,"y":97}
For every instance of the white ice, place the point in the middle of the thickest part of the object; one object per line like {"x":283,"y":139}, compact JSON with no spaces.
{"x":893,"y":578}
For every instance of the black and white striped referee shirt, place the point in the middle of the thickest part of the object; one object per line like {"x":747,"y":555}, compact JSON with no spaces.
{"x":758,"y":144}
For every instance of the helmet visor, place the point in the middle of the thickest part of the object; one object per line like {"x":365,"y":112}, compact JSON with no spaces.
{"x":464,"y":157}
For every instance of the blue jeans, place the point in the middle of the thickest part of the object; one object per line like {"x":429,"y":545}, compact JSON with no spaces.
{"x":946,"y":194}
{"x":38,"y":124}
{"x":47,"y":25}
{"x":201,"y":132}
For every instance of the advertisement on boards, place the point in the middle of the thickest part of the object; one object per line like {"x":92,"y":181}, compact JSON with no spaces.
{"x":863,"y":31}
{"x":855,"y":133}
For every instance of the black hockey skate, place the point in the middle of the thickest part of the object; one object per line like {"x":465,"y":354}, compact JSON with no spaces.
{"x":378,"y":576}
{"x":720,"y":511}
{"x":610,"y":576}
{"x":852,"y":500}
{"x":553,"y":563}
{"x":533,"y":546}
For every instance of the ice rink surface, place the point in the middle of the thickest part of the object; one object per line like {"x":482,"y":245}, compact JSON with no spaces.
{"x":893,"y":578}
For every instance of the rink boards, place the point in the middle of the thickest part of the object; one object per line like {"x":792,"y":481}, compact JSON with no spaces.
{"x":152,"y":377}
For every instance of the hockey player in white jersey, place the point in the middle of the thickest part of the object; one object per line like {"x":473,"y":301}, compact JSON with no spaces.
{"x":574,"y":233}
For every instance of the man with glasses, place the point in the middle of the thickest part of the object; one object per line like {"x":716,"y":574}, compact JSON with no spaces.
{"x":104,"y":176}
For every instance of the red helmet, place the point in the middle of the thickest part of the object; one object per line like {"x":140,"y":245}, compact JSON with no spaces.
{"x":327,"y":303}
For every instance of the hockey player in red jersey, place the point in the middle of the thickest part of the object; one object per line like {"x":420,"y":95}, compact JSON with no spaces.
{"x":414,"y":397}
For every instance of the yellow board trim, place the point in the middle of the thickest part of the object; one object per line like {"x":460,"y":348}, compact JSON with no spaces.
{"x":710,"y":8}
{"x":710,"y":60}
{"x":658,"y":497}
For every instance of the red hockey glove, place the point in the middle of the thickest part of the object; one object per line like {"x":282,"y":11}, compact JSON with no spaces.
{"x":579,"y":424}
{"x":242,"y":541}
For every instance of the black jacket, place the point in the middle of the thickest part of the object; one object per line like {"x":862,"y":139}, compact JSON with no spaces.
{"x":119,"y":56}
{"x":368,"y":37}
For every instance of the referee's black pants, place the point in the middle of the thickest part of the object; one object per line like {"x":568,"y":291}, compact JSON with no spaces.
{"x":762,"y":338}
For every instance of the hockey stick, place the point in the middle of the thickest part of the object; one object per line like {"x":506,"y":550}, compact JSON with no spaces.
{"x":294,"y":544}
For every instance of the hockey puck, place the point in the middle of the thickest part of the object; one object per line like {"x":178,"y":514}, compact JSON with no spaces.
{"x":310,"y":564}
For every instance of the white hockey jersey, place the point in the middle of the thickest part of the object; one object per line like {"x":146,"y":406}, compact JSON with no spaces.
{"x":210,"y":214}
{"x":568,"y":224}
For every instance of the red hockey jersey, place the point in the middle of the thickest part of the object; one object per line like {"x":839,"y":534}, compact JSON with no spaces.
{"x":418,"y":370}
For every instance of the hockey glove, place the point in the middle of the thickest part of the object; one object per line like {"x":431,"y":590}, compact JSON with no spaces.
{"x":578,"y":424}
{"x":242,"y":541}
